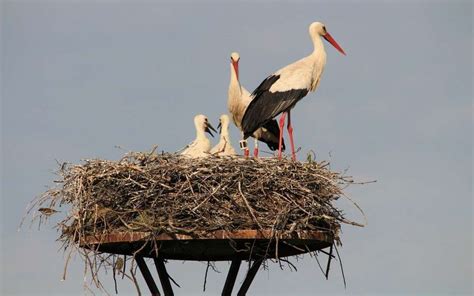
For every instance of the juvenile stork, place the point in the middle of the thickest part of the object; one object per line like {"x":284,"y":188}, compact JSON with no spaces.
{"x":238,"y":100}
{"x":280,"y":92}
{"x":224,"y":147}
{"x":201,"y":146}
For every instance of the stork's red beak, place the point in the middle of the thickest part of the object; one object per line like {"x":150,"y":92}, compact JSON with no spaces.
{"x":235,"y":64}
{"x":331,"y":40}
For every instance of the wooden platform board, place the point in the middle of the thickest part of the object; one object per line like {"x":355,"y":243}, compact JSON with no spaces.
{"x":215,"y":246}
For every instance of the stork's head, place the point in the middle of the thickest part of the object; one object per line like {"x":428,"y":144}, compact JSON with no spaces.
{"x":317,"y":29}
{"x":223,"y":122}
{"x":202,"y":123}
{"x":234,"y":59}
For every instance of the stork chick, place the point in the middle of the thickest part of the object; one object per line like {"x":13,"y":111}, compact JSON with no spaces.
{"x":224,"y":147}
{"x":201,"y":146}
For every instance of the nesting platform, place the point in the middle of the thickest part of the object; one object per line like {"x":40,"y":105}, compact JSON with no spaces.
{"x":217,"y":246}
{"x":168,"y":207}
{"x":234,"y":246}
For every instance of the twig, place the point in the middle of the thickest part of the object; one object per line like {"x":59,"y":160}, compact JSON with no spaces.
{"x":205,"y":276}
{"x":342,"y":269}
{"x":249,"y":208}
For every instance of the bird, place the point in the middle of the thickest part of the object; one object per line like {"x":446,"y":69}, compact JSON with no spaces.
{"x":224,"y":147}
{"x":280,"y":91}
{"x":238,"y":100}
{"x":201,"y":146}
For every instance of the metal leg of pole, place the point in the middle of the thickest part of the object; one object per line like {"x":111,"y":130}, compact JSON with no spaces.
{"x":164,"y":277}
{"x":249,"y":277}
{"x":147,"y":275}
{"x":231,"y":277}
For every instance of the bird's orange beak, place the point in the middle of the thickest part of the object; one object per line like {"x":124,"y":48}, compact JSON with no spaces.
{"x":331,"y":40}
{"x":235,"y":64}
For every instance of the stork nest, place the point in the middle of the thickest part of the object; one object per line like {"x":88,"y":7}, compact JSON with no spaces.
{"x":172,"y":194}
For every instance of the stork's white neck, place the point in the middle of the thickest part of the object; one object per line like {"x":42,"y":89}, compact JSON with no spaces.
{"x":225,"y":131}
{"x":318,"y":59}
{"x":200,"y":132}
{"x":318,"y":45}
{"x":234,"y":81}
{"x":225,"y":138}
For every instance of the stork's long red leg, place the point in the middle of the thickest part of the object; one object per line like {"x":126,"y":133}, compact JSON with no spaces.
{"x":243,"y":146}
{"x":282,"y":124}
{"x":290,"y":132}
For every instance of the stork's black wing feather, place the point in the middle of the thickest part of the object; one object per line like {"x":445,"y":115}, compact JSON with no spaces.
{"x":266,"y":104}
{"x":265,"y":85}
{"x":271,"y":138}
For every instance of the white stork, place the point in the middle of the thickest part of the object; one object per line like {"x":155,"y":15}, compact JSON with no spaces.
{"x":224,"y":147}
{"x":201,"y":146}
{"x":281,"y":91}
{"x":238,"y":100}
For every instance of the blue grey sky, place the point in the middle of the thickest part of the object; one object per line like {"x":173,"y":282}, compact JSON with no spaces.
{"x":79,"y":78}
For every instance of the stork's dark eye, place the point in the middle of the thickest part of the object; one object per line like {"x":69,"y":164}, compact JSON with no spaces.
{"x":324,"y":28}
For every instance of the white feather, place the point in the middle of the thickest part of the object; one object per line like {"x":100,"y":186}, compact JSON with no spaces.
{"x":201,"y":146}
{"x":224,"y":147}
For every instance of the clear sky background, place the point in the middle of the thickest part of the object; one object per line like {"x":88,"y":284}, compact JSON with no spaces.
{"x":79,"y":78}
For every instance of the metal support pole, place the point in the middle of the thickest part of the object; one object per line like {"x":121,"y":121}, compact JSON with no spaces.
{"x":231,"y":277}
{"x":147,"y":275}
{"x":249,"y":277}
{"x":164,"y":277}
{"x":329,"y":262}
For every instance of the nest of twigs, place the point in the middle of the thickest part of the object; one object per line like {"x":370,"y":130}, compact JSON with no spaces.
{"x":168,"y":193}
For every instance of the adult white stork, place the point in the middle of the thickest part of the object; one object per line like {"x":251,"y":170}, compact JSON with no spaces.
{"x":281,"y":91}
{"x":201,"y":146}
{"x":238,"y":100}
{"x":224,"y":147}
